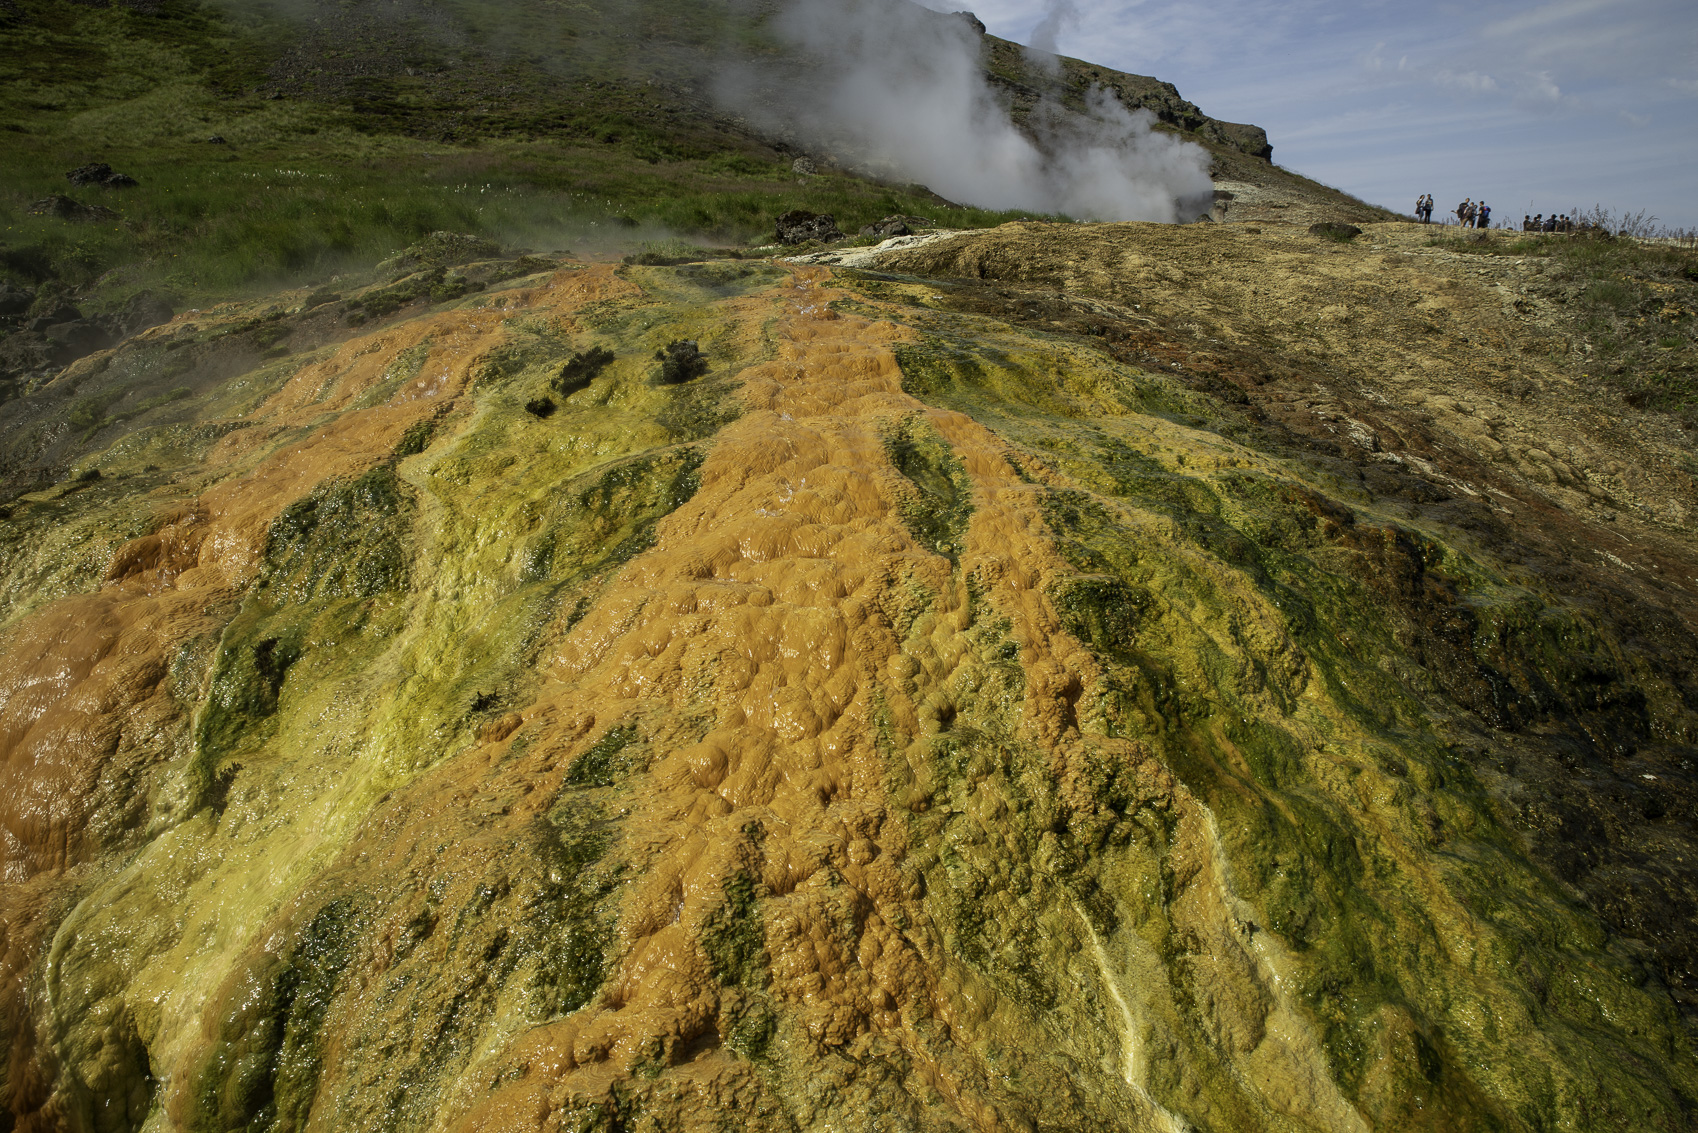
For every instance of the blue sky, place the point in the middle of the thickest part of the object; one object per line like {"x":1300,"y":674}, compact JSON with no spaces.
{"x":1532,"y":106}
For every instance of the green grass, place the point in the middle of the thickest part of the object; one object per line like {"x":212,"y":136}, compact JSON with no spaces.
{"x":327,"y":175}
{"x":213,"y":225}
{"x":1634,"y":305}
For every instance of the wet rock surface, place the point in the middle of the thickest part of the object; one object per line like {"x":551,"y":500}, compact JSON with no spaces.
{"x":969,"y":700}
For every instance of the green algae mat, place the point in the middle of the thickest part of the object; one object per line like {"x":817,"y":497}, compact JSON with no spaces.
{"x":903,"y":718}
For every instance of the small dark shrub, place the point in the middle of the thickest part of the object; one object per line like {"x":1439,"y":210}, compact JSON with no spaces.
{"x":1335,"y":230}
{"x":540,"y":407}
{"x":680,"y":362}
{"x":581,"y":369}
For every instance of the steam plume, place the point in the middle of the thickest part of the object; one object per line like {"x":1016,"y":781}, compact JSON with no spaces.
{"x":1042,"y":51}
{"x":899,"y":91}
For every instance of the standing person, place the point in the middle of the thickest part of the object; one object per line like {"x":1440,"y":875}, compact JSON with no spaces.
{"x":1526,"y":223}
{"x":1425,"y":209}
{"x":1485,"y":220}
{"x":1462,"y":211}
{"x":1473,"y":211}
{"x":1420,"y":202}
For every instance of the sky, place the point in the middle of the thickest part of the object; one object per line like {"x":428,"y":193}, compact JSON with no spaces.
{"x":1531,"y":106}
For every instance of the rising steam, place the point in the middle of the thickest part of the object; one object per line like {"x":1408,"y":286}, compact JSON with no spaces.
{"x":899,"y":91}
{"x":1042,"y":52}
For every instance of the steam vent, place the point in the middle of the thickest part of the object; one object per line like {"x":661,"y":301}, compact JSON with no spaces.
{"x":1050,"y":678}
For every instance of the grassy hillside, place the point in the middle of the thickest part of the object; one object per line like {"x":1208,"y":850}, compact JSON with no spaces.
{"x":335,"y":165}
{"x":350,"y":130}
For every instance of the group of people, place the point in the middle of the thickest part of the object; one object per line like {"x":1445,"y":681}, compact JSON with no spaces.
{"x":1472,"y":215}
{"x":1468,"y":213}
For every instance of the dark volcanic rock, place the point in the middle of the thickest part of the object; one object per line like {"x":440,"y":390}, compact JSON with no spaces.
{"x":95,"y":173}
{"x":65,"y":208}
{"x":14,"y":300}
{"x":798,"y":226}
{"x":23,"y":353}
{"x":973,"y":21}
{"x":80,"y":337}
{"x":99,"y":173}
{"x":889,"y":227}
{"x":1249,"y":139}
{"x":63,"y":313}
{"x":144,"y":310}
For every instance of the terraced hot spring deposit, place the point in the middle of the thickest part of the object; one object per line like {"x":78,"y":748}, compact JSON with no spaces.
{"x":918,"y":716}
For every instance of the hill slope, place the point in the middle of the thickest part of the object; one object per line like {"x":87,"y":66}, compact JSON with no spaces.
{"x":969,"y":694}
{"x":350,"y":130}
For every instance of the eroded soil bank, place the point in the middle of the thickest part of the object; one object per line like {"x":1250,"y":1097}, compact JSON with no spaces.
{"x":927,"y":717}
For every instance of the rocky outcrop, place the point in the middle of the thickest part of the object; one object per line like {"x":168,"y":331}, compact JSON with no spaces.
{"x":892,"y":226}
{"x":14,"y":300}
{"x":101,"y":174}
{"x":798,"y":226}
{"x":1027,"y":89}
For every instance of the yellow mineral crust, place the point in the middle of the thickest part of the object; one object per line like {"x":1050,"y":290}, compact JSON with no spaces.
{"x":839,"y":725}
{"x":756,"y":614}
{"x":73,"y":672}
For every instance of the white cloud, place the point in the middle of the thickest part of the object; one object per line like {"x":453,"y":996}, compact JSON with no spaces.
{"x":1472,"y":82}
{"x":1546,"y":15}
{"x":1507,"y":99}
{"x":1539,"y":91}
